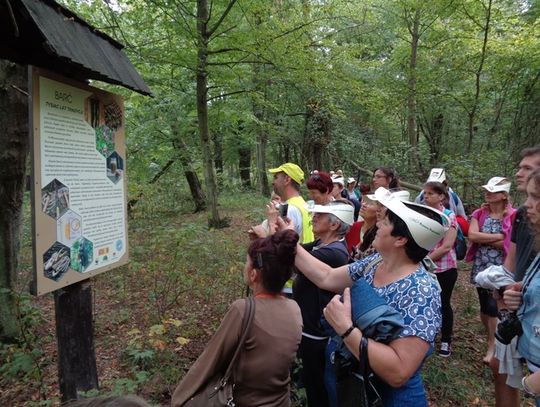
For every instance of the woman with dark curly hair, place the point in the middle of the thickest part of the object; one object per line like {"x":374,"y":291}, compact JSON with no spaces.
{"x":261,"y":375}
{"x":385,"y":177}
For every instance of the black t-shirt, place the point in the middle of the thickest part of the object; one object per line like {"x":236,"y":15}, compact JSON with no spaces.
{"x":524,"y":239}
{"x":309,"y":297}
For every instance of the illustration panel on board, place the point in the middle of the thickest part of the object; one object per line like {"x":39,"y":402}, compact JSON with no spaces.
{"x":56,"y":261}
{"x":115,"y":167}
{"x":82,"y":254}
{"x":55,"y":199}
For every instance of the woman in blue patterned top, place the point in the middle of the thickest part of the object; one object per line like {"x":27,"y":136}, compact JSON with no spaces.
{"x":404,"y":237}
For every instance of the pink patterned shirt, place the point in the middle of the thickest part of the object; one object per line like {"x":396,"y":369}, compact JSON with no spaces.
{"x":449,"y":260}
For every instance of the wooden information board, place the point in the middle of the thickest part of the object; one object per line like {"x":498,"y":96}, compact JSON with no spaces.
{"x":79,"y":209}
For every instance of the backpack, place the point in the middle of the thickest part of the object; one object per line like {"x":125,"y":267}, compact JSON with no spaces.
{"x":460,"y":245}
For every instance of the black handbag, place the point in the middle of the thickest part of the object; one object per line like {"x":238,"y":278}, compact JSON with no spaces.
{"x":356,"y":385}
{"x":218,"y":392}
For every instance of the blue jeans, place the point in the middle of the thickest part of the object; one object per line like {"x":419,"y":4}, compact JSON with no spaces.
{"x":329,"y":375}
{"x":411,"y":394}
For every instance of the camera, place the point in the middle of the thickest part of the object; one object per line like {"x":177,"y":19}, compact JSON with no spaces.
{"x":508,"y":328}
{"x":283,"y":208}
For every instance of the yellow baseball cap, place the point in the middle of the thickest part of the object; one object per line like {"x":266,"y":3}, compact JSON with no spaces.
{"x":292,"y":170}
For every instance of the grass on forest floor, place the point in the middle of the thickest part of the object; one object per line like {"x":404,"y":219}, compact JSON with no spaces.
{"x":154,"y":315}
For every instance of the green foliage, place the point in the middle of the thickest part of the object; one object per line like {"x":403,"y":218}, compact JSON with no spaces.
{"x":272,"y":59}
{"x":24,"y":361}
{"x":16,"y":363}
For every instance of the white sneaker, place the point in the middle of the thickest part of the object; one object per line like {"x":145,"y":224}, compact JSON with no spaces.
{"x":444,"y":350}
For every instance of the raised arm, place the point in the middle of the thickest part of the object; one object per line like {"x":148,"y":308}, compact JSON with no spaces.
{"x":321,"y":274}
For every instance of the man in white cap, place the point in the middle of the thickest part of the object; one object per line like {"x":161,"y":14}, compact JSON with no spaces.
{"x":286,"y":183}
{"x":455,"y":204}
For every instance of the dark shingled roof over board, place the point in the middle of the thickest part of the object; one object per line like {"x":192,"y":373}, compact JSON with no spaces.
{"x":45,"y":34}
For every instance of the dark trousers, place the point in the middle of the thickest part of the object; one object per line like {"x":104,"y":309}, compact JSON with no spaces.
{"x":447,"y":281}
{"x":312,"y":353}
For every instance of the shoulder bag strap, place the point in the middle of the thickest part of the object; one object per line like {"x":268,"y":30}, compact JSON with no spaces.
{"x":533,"y":268}
{"x":363,"y":356}
{"x":364,"y":369}
{"x":247,"y":321}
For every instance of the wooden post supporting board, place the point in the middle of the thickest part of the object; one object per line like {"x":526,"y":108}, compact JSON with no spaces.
{"x":77,"y":370}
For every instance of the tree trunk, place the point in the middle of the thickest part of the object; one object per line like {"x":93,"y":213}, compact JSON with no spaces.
{"x":218,"y":153}
{"x":259,"y":113}
{"x":244,"y":164}
{"x":195,"y":188}
{"x":202,"y":112}
{"x":262,"y":176}
{"x":192,"y":178}
{"x":317,"y":134}
{"x":411,"y":93}
{"x":431,"y":125}
{"x":472,"y":113}
{"x":14,"y":141}
{"x":77,"y":371}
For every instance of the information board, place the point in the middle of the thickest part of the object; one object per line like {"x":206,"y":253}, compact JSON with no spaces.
{"x":79,"y":209}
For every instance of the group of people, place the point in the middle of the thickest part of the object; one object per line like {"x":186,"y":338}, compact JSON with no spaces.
{"x":384,"y":299}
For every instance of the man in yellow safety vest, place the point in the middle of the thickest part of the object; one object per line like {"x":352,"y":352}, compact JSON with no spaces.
{"x":286,"y":183}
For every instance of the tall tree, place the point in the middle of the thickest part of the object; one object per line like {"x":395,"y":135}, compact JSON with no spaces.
{"x":484,"y":26}
{"x":14,"y":142}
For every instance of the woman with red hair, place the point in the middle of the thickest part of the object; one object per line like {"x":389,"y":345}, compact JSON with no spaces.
{"x":320,"y":187}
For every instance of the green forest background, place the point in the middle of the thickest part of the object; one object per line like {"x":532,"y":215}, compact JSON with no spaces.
{"x":241,"y":86}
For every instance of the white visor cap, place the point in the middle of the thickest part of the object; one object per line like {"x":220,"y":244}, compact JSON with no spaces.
{"x":498,"y":184}
{"x":425,"y":231}
{"x":344,"y":212}
{"x":338,"y":180}
{"x":437,"y":175}
{"x":402,"y":195}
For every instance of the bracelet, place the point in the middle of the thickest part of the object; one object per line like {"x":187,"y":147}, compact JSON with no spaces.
{"x":347,"y":332}
{"x":526,"y":388}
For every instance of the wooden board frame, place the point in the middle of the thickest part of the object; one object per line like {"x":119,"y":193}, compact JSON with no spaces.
{"x":79,"y":191}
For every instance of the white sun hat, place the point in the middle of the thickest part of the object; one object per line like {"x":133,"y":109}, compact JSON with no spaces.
{"x":425,"y":231}
{"x":437,"y":175}
{"x":338,"y":180}
{"x":343,"y":211}
{"x":401,"y":194}
{"x":350,"y":179}
{"x":498,"y":184}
